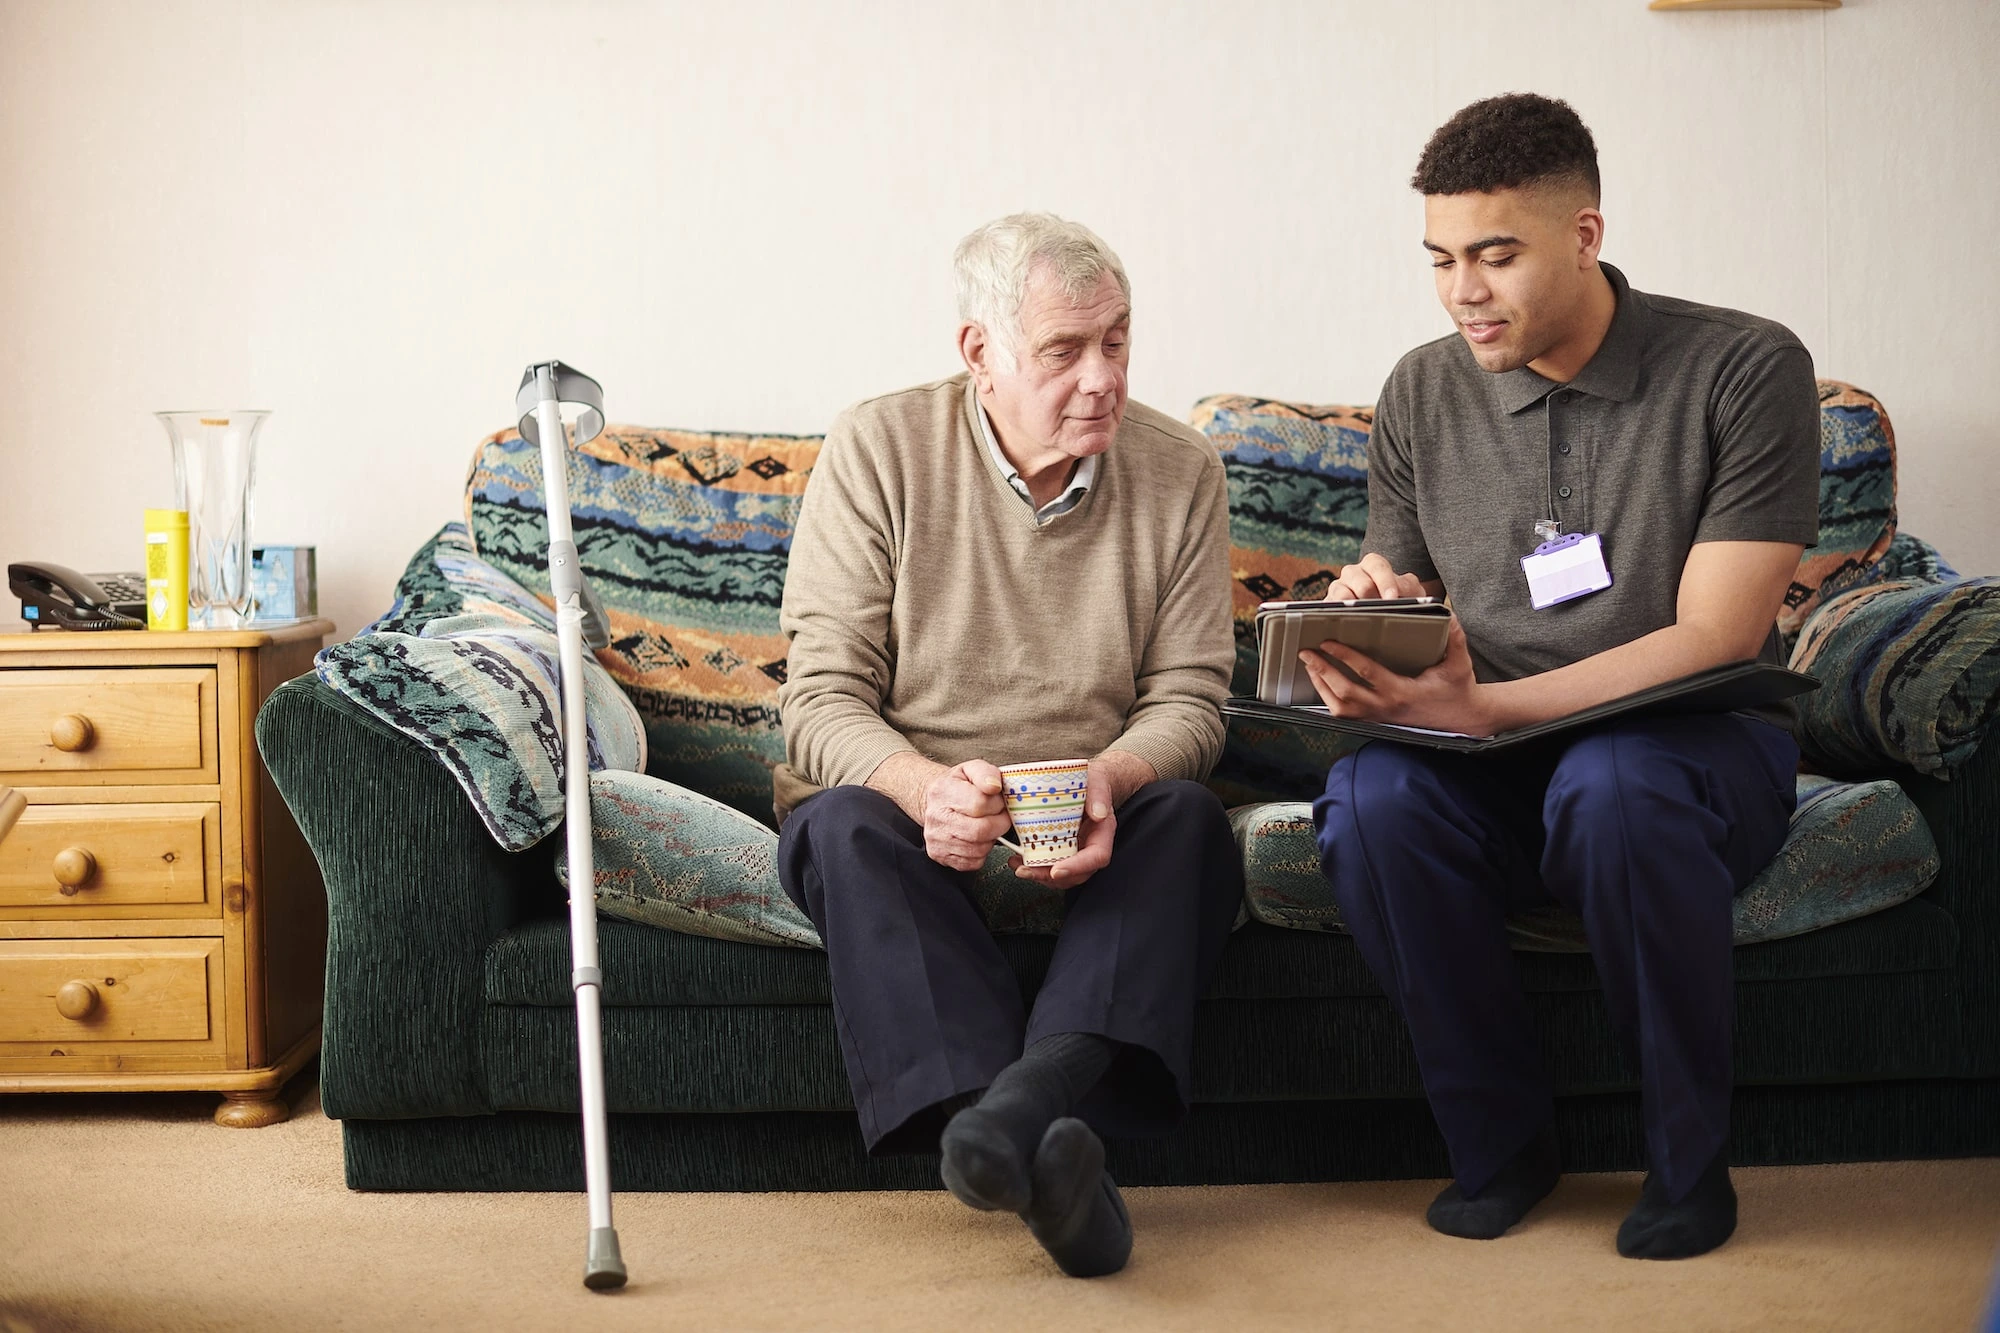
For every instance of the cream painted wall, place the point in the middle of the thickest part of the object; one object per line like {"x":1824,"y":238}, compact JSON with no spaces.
{"x":369,"y":217}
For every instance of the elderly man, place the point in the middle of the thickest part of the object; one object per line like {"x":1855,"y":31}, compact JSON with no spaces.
{"x":1013,"y":564}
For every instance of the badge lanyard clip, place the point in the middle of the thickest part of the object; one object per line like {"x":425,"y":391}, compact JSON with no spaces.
{"x":1548,"y":528}
{"x":1562,"y":568}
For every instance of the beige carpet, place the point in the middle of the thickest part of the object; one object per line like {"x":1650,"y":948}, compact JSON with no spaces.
{"x":137,"y":1213}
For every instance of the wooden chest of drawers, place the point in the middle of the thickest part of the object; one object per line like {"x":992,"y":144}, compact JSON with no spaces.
{"x":162,"y":923}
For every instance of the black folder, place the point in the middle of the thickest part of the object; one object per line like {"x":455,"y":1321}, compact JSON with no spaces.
{"x":1723,"y":689}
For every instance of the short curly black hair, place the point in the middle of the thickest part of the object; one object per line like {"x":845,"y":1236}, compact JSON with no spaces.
{"x":1505,"y":143}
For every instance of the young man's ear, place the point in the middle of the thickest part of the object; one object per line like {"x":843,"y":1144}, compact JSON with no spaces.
{"x":1589,"y":236}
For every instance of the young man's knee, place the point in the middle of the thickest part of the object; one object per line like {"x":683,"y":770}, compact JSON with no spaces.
{"x":1387,"y":790}
{"x":1614,"y":783}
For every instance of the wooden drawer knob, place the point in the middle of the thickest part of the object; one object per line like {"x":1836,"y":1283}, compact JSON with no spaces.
{"x":74,"y":867}
{"x":76,"y":999}
{"x":72,"y":732}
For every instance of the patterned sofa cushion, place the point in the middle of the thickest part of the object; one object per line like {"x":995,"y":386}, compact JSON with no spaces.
{"x":465,"y":664}
{"x":684,"y":536}
{"x":1857,"y":502}
{"x":1912,"y":558}
{"x":1911,"y":674}
{"x":447,"y":578}
{"x":1298,"y":504}
{"x":666,"y":856}
{"x":1853,"y":848}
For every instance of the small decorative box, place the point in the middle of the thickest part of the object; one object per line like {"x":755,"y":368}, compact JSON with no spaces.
{"x":284,"y":583}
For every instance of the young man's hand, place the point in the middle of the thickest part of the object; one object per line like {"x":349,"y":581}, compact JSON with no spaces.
{"x":1373,"y":578}
{"x":1446,"y":697}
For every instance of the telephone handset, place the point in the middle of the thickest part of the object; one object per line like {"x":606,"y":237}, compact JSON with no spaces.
{"x":57,"y":595}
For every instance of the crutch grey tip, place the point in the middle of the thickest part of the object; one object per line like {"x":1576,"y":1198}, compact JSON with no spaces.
{"x":604,"y":1267}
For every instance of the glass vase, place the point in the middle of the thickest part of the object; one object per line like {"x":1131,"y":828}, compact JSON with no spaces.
{"x":215,"y":468}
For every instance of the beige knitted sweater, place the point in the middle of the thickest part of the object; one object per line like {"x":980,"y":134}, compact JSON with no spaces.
{"x":927,"y":611}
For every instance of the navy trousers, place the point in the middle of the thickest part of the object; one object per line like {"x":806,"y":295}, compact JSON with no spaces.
{"x":926,"y":1005}
{"x":1647,"y":828}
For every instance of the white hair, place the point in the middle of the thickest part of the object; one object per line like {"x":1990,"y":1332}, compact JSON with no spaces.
{"x":994,"y":263}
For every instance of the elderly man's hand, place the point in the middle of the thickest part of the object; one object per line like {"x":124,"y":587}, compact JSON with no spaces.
{"x":1112,"y":777}
{"x":963,"y":812}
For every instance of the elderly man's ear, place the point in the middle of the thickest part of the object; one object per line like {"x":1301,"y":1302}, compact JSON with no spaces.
{"x":978,"y":355}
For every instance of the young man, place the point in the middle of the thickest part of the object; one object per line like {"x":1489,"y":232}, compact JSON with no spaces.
{"x":1015,"y":563}
{"x":1685,"y":439}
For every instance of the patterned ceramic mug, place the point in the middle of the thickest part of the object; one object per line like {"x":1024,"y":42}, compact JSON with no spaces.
{"x":1046,"y":802}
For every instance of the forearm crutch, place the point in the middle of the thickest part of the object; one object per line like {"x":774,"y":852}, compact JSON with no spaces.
{"x":545,"y":388}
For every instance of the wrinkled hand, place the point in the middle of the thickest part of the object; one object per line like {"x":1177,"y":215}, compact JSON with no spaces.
{"x":1446,"y":697}
{"x":1093,"y":839}
{"x":963,"y":813}
{"x":1373,"y":578}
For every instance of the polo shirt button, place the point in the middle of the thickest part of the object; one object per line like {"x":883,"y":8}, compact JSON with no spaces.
{"x":1564,"y":492}
{"x":1562,"y":448}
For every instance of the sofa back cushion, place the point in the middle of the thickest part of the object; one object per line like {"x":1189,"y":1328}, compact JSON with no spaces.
{"x":684,"y":535}
{"x":1857,"y":502}
{"x":1298,"y":505}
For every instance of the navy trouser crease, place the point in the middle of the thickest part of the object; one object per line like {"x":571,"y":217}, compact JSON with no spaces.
{"x":1647,"y":828}
{"x":925,"y":1004}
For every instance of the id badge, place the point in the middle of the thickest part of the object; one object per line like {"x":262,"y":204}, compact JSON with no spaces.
{"x":1565,"y":569}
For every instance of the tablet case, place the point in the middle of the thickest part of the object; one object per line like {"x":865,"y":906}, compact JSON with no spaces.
{"x":1406,"y":635}
{"x":1723,"y":689}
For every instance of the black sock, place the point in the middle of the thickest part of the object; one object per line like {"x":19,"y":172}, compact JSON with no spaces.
{"x":989,"y":1148}
{"x":1657,"y":1229}
{"x":1504,"y":1200}
{"x":1077,"y":1213}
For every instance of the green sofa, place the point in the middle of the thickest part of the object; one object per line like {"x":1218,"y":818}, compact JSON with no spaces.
{"x":449,"y":1051}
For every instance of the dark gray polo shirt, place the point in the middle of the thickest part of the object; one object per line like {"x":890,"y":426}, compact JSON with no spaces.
{"x":1690,"y":424}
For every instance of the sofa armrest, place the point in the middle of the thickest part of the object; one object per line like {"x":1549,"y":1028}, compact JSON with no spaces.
{"x":416,"y":890}
{"x":1912,"y":677}
{"x":1964,"y":818}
